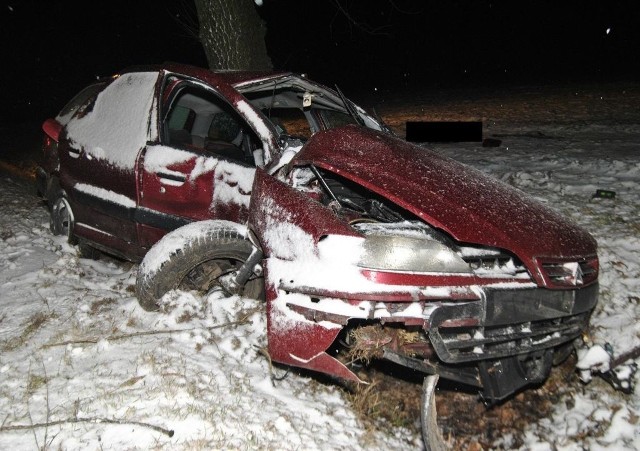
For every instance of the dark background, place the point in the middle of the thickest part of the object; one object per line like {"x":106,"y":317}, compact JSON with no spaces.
{"x":385,"y":49}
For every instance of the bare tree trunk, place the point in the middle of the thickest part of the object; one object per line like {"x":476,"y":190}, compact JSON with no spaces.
{"x":232,"y":34}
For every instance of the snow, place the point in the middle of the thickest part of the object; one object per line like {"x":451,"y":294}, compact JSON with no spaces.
{"x":285,"y":158}
{"x":176,"y":240}
{"x":590,"y":359}
{"x":233,"y":182}
{"x":78,"y":352}
{"x":259,"y":125}
{"x":106,"y":194}
{"x":128,"y":98}
{"x":158,"y":158}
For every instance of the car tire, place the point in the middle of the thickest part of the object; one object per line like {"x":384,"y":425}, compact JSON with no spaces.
{"x":61,"y":220}
{"x":60,"y":213}
{"x":194,"y":258}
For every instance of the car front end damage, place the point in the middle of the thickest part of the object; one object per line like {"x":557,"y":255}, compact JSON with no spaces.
{"x":362,"y":265}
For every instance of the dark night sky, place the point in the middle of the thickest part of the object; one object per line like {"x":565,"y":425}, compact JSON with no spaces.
{"x":53,"y":48}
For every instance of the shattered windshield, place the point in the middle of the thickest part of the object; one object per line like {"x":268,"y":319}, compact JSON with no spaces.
{"x":298,"y":108}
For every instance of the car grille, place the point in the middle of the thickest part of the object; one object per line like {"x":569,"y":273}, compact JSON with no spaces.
{"x":465,"y":344}
{"x":490,"y":262}
{"x":570,"y":274}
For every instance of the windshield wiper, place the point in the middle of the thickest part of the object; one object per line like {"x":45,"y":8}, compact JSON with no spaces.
{"x":350,"y":109}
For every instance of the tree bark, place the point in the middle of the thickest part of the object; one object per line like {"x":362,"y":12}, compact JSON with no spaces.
{"x":232,"y":35}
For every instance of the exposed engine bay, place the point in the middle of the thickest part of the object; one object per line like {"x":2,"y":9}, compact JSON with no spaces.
{"x":478,"y":338}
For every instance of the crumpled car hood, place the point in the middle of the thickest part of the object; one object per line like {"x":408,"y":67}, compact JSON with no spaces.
{"x":466,"y":203}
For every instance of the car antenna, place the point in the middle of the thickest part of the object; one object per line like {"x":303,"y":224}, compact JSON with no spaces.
{"x":354,"y":114}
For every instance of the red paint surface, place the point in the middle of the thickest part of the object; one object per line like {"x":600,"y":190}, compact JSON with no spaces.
{"x":467,"y":204}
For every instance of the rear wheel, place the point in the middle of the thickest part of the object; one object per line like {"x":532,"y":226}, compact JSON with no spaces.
{"x":195,"y":258}
{"x":61,"y":215}
{"x":62,"y":220}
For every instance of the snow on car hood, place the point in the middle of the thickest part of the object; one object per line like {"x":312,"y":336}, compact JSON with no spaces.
{"x":466,"y":203}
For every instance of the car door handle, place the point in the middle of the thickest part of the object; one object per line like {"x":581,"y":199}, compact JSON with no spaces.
{"x":173,"y":176}
{"x":75,"y":153}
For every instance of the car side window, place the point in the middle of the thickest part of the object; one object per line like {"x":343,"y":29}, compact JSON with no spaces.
{"x":199,"y":121}
{"x":179,"y":124}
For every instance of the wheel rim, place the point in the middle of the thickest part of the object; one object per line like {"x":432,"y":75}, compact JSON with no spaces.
{"x":62,"y":217}
{"x":208,"y":275}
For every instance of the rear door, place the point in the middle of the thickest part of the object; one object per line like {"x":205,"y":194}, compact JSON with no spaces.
{"x":102,"y":141}
{"x":201,"y":168}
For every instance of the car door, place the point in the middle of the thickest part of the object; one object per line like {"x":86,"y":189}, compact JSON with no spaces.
{"x":100,"y":148}
{"x":201,"y":168}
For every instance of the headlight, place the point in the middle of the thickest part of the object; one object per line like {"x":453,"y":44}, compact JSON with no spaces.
{"x":402,"y":253}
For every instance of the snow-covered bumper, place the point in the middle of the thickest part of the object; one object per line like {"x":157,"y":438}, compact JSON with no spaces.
{"x":500,"y":341}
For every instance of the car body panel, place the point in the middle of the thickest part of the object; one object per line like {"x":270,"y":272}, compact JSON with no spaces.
{"x":469,"y":205}
{"x":177,"y":186}
{"x":288,"y":225}
{"x":98,"y":153}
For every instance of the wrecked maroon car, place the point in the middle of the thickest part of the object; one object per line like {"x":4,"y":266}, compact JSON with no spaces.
{"x":363,"y":246}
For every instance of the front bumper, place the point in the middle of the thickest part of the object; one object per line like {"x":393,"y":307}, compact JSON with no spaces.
{"x":499,"y":341}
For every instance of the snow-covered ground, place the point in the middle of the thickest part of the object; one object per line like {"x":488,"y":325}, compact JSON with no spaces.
{"x":82,"y":366}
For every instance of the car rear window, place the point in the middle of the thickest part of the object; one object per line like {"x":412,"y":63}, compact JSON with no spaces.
{"x":81,"y":99}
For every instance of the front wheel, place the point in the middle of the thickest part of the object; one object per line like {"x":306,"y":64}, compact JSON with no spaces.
{"x":198,"y":257}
